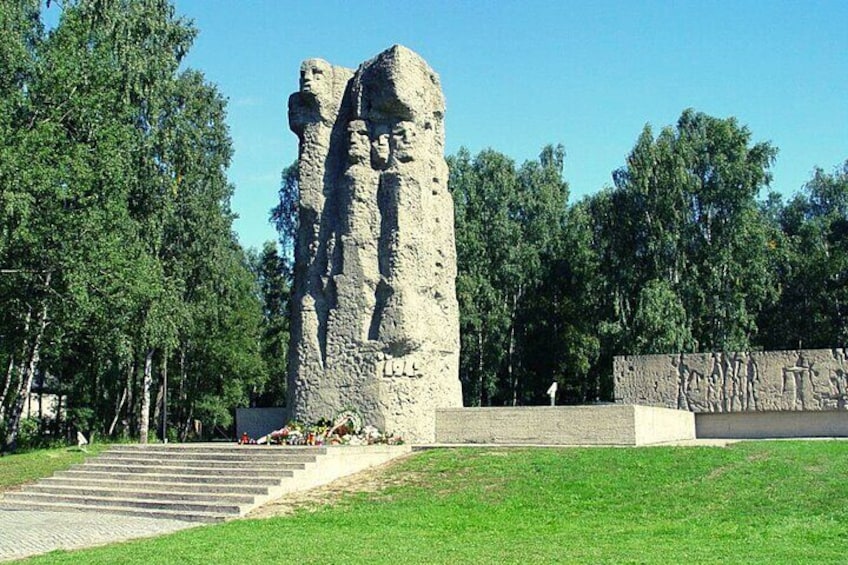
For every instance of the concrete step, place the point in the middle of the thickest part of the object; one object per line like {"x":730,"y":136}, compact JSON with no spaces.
{"x":178,"y":468}
{"x":81,"y":473}
{"x":163,"y":486}
{"x":241,"y":453}
{"x":222,"y":448}
{"x":204,"y":517}
{"x":264,"y":460}
{"x":195,"y":482}
{"x":151,"y":492}
{"x":90,"y":501}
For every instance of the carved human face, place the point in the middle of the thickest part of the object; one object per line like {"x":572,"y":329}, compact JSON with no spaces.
{"x":380,"y":151}
{"x":403,"y":141}
{"x":316,"y":77}
{"x":359,"y":143}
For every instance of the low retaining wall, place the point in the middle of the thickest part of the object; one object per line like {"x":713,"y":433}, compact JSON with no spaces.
{"x":339,"y":461}
{"x":564,"y":425}
{"x":764,"y":425}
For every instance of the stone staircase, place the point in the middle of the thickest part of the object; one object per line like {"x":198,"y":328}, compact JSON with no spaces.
{"x":192,"y":482}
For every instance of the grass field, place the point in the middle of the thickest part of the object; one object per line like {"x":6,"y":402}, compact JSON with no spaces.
{"x":763,"y":502}
{"x":24,"y":468}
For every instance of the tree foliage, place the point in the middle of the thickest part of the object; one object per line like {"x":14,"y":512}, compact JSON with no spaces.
{"x":680,"y":255}
{"x":508,"y":222}
{"x":125,"y":291}
{"x":813,"y":267}
{"x":117,"y":249}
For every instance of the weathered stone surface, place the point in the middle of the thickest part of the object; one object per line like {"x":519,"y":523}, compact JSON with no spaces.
{"x":812,"y":379}
{"x":375,"y":321}
{"x":564,"y":425}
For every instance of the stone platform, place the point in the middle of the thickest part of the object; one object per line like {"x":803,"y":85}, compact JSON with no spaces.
{"x":627,"y":425}
{"x":773,"y":424}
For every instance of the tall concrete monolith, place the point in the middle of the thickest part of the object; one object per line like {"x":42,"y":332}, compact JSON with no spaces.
{"x":375,"y":323}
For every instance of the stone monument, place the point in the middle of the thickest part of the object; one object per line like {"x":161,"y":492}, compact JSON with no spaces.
{"x":375,"y":323}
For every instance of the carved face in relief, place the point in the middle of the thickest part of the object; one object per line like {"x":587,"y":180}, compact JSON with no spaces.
{"x":316,"y":78}
{"x":380,"y":150}
{"x":359,"y":144}
{"x":403,"y":141}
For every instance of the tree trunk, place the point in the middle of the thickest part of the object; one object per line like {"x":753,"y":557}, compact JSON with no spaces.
{"x":32,"y":358}
{"x":165,"y":398}
{"x":187,"y":427}
{"x":131,"y":398}
{"x":11,"y":370}
{"x":144,"y":413}
{"x":183,"y":375}
{"x":480,"y":379}
{"x":157,"y":407}
{"x":513,"y":382}
{"x":181,"y":394}
{"x":6,"y":384}
{"x":190,"y":393}
{"x":118,"y":407}
{"x":511,"y":373}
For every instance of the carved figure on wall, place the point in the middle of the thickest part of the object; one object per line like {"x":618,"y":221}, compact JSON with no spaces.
{"x":811,"y":379}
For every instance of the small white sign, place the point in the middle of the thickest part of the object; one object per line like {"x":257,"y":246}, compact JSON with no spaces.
{"x":552,"y":392}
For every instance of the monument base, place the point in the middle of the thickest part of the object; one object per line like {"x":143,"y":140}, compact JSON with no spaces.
{"x":257,"y":422}
{"x":565,"y":425}
{"x":776,"y":424}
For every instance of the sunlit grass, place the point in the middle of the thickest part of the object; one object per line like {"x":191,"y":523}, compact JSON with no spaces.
{"x":18,"y":469}
{"x":764,"y":502}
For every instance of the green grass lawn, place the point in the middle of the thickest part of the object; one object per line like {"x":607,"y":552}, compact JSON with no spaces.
{"x":763,"y":502}
{"x":24,"y":468}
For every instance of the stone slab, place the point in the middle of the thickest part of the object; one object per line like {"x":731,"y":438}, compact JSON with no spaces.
{"x":772,"y":425}
{"x":798,"y":380}
{"x":564,"y":425}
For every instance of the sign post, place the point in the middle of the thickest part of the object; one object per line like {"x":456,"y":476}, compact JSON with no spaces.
{"x":552,"y":390}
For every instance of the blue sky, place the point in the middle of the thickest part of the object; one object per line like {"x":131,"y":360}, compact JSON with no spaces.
{"x":519,"y":75}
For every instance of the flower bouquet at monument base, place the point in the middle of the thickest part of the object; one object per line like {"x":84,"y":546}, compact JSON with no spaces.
{"x":345,"y":429}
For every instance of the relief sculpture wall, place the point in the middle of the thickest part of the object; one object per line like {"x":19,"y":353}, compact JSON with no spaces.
{"x":812,"y":379}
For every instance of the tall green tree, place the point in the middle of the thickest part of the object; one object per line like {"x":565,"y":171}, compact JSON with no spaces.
{"x":274,"y":277}
{"x":285,"y":215}
{"x":508,"y":222}
{"x":20,"y":33}
{"x":689,"y":261}
{"x":562,"y":341}
{"x":117,"y":232}
{"x":481,"y":188}
{"x":813,"y":273}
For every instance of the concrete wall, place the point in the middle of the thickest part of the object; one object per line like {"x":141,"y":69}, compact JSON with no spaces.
{"x":760,"y":425}
{"x":801,"y":380}
{"x":564,"y":425}
{"x":661,"y":425}
{"x":257,"y":422}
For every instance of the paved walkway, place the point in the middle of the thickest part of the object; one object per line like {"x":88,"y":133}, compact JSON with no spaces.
{"x":24,"y":533}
